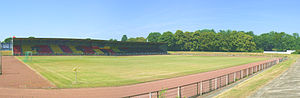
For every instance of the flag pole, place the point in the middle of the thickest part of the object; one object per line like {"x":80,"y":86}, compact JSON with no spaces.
{"x":12,"y":42}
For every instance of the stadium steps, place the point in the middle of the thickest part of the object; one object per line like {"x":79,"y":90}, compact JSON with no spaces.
{"x":65,"y":49}
{"x":75,"y":51}
{"x":44,"y":49}
{"x":111,"y":51}
{"x":26,"y":48}
{"x":87,"y":50}
{"x":107,"y":51}
{"x":56,"y":49}
{"x":97,"y":50}
{"x":116,"y":50}
{"x":17,"y":49}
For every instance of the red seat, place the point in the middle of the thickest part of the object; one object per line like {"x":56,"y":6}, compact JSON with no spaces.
{"x":88,"y":50}
{"x":65,"y":49}
{"x":44,"y":49}
{"x":17,"y":49}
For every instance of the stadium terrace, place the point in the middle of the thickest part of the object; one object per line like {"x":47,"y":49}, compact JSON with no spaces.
{"x":64,"y":46}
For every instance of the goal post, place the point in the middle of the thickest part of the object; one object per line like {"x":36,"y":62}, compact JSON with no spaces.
{"x":28,"y":56}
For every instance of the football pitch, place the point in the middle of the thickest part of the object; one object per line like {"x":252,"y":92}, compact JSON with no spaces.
{"x":106,"y":71}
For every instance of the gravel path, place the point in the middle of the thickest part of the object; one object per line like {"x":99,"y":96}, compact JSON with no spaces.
{"x":285,"y":86}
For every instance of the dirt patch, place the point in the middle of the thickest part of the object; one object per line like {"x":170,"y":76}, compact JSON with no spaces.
{"x":17,"y":75}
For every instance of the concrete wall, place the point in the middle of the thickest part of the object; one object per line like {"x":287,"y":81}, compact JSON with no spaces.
{"x":281,"y":52}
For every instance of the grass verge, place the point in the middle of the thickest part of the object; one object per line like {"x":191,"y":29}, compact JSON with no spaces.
{"x":250,"y":86}
{"x":6,"y":53}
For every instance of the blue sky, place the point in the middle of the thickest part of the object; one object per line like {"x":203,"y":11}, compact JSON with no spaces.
{"x":107,"y":19}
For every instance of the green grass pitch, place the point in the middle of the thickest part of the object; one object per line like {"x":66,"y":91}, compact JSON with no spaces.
{"x":104,"y":71}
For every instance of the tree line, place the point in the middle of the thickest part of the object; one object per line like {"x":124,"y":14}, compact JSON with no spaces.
{"x":223,"y":40}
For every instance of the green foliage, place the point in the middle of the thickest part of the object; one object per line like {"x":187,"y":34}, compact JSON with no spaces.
{"x":226,"y":40}
{"x":167,"y":37}
{"x":179,"y":40}
{"x":124,"y":38}
{"x":153,"y":37}
{"x":7,"y":40}
{"x":137,"y":39}
{"x":297,"y":52}
{"x":278,"y":41}
{"x":162,"y":93}
{"x":112,"y":40}
{"x":34,"y":37}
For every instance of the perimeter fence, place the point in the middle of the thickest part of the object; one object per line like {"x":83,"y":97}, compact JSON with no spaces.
{"x":230,"y":54}
{"x":203,"y":87}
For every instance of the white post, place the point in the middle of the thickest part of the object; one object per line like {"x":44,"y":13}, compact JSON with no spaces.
{"x":247,"y":71}
{"x":242,"y":74}
{"x":179,"y":95}
{"x":150,"y":95}
{"x":255,"y":68}
{"x":234,"y":76}
{"x":226,"y":79}
{"x":216,"y":83}
{"x":201,"y":88}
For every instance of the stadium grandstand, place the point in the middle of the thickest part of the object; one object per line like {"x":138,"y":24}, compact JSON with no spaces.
{"x":64,"y":46}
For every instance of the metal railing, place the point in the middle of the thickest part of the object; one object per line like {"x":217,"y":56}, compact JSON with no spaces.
{"x":230,"y":54}
{"x":209,"y":85}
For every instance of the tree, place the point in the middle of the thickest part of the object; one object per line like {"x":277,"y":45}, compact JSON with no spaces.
{"x":250,"y":33}
{"x":207,"y":40}
{"x":113,"y":40}
{"x":296,"y":35}
{"x":131,"y":40}
{"x":153,"y":37}
{"x":137,"y":39}
{"x":141,"y":39}
{"x":222,"y":40}
{"x":241,"y":42}
{"x":124,"y":38}
{"x":31,"y":37}
{"x":7,"y":40}
{"x":179,"y":40}
{"x":168,"y":38}
{"x":188,"y":44}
